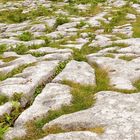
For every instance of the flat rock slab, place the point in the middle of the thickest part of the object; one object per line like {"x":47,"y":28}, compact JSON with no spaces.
{"x":73,"y":136}
{"x":22,"y":60}
{"x":117,"y":113}
{"x":78,"y":72}
{"x":27,"y":81}
{"x":50,"y":50}
{"x":57,"y":56}
{"x":130,"y":41}
{"x":5,"y":108}
{"x":122,"y":73}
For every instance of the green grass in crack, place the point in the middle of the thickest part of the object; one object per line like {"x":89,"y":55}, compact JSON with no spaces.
{"x":3,"y":99}
{"x":7,"y":59}
{"x":127,"y":58}
{"x":14,"y":71}
{"x":26,"y":36}
{"x":3,"y":48}
{"x":38,"y":90}
{"x":20,"y":49}
{"x":80,"y":55}
{"x":61,"y":20}
{"x":7,"y":120}
{"x":136,"y":28}
{"x":109,"y":55}
{"x":3,"y":130}
{"x":17,"y":15}
{"x":72,"y":9}
{"x":137,"y":85}
{"x":60,"y":67}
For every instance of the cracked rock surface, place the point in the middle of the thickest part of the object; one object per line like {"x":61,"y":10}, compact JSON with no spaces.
{"x":69,"y":70}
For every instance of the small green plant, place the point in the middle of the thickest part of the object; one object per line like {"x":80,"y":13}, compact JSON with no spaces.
{"x":136,"y":29}
{"x":127,"y":58}
{"x":109,"y":55}
{"x":46,"y":39}
{"x":80,"y":55}
{"x":3,"y":99}
{"x":3,"y":130}
{"x":7,"y":120}
{"x":26,"y":36}
{"x":20,"y":49}
{"x":37,"y":54}
{"x":48,"y":29}
{"x":61,"y":20}
{"x":7,"y":59}
{"x":81,"y":24}
{"x":13,"y":16}
{"x":17,"y":97}
{"x":3,"y":48}
{"x":60,"y":67}
{"x":14,"y":71}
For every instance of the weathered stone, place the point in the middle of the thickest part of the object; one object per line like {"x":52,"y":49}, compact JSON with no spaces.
{"x":50,"y":50}
{"x":25,"y":59}
{"x":101,"y":41}
{"x":34,"y":42}
{"x":38,"y":27}
{"x":61,"y":31}
{"x":57,"y":56}
{"x":125,"y":29}
{"x":131,"y":16}
{"x":79,"y":135}
{"x":78,"y":72}
{"x":116,"y":3}
{"x":66,"y":26}
{"x":77,"y":46}
{"x":5,"y":109}
{"x":27,"y":81}
{"x":94,"y":21}
{"x":122,"y":73}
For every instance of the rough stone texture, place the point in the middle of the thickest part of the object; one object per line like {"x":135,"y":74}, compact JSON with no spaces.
{"x":131,"y":16}
{"x":125,"y":29}
{"x":50,"y":50}
{"x":38,"y":27}
{"x":101,"y":40}
{"x":25,"y":59}
{"x":94,"y":21}
{"x":122,"y":73}
{"x":57,"y":56}
{"x":116,"y":3}
{"x":78,"y":72}
{"x":73,"y":136}
{"x":116,"y":112}
{"x":29,"y":79}
{"x":5,"y":108}
{"x":131,"y":41}
{"x":69,"y":31}
{"x":130,"y":49}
